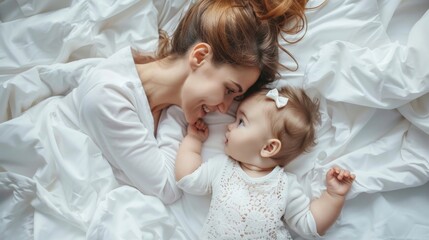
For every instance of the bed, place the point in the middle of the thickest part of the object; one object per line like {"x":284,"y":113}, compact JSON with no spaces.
{"x":364,"y":59}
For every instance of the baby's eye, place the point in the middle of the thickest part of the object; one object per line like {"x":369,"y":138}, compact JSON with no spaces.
{"x":241,"y":123}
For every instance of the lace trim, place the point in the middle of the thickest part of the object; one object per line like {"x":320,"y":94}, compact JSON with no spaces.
{"x":244,"y":208}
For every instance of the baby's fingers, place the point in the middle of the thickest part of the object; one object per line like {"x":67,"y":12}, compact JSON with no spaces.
{"x":200,"y":125}
{"x":350,"y":177}
{"x":343,"y":175}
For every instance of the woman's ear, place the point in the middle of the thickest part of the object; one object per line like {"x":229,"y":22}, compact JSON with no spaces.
{"x":272,"y":147}
{"x":199,"y":53}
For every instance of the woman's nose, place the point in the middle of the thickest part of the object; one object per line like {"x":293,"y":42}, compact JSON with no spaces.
{"x":224,"y":106}
{"x":221,"y":108}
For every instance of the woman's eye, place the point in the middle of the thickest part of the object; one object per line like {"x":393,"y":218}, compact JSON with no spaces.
{"x":239,"y":98}
{"x":229,"y":91}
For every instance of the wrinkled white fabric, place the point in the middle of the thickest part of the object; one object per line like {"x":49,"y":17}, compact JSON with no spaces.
{"x":146,"y":218}
{"x":68,"y":199}
{"x":24,"y":90}
{"x":391,"y":76}
{"x":40,"y":33}
{"x":387,"y":77}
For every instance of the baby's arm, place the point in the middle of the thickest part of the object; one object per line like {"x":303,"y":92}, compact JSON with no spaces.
{"x":327,"y":208}
{"x":189,"y":155}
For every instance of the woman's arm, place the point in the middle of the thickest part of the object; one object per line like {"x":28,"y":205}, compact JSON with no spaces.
{"x":122,"y":130}
{"x":189,"y":155}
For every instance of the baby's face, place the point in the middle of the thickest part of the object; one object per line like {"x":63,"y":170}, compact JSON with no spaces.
{"x":247,"y":136}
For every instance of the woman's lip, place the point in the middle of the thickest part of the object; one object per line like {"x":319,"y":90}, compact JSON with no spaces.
{"x":206,"y":109}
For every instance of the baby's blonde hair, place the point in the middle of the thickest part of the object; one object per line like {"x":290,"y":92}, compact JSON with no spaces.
{"x":295,"y":124}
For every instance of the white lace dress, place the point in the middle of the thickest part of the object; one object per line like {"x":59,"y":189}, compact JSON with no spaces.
{"x":244,"y":207}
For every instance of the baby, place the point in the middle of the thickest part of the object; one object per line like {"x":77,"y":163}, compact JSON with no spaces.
{"x":252,"y":196}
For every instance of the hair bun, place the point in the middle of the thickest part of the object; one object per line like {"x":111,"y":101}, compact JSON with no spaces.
{"x":287,"y":15}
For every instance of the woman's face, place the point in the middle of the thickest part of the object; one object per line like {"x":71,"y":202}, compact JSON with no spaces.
{"x":212,"y":88}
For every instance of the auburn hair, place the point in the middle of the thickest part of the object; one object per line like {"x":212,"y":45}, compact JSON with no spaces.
{"x":240,"y":32}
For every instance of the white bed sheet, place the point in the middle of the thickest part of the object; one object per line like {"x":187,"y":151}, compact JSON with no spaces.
{"x":382,"y":138}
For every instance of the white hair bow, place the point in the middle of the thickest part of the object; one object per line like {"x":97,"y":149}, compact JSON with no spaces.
{"x":274,"y":95}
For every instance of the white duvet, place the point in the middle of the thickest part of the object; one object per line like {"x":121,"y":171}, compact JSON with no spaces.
{"x":365,"y":60}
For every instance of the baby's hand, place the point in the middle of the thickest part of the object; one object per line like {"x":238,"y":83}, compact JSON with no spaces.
{"x":339,"y":181}
{"x":199,"y":130}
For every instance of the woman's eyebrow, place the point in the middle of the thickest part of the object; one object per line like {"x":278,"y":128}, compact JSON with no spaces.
{"x":240,"y":89}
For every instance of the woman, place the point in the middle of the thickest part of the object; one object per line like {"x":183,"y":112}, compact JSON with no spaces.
{"x":220,"y":50}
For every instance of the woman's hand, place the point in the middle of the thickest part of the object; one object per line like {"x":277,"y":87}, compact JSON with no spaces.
{"x":199,"y":130}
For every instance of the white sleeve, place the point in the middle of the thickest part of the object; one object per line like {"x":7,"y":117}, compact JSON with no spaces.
{"x":297,"y":214}
{"x":108,"y":115}
{"x":170,"y":132}
{"x":200,"y":182}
